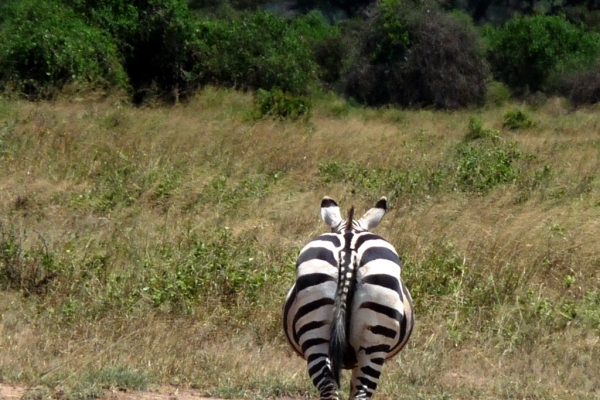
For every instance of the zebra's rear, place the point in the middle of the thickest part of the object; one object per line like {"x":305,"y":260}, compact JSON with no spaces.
{"x":348,"y":308}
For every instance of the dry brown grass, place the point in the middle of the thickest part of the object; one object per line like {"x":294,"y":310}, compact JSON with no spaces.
{"x":121,"y":197}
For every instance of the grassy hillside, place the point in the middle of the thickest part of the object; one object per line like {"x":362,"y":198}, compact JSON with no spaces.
{"x":145,"y":246}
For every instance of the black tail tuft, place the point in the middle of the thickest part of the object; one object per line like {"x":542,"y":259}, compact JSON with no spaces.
{"x":337,"y":345}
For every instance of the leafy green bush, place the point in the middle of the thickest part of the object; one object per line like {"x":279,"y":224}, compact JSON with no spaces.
{"x":216,"y":265}
{"x":441,"y":272}
{"x":477,"y":131}
{"x":276,"y":103}
{"x":45,"y":45}
{"x":326,"y":43}
{"x":526,"y":50}
{"x":412,"y":55}
{"x":154,"y":37}
{"x":256,"y":50}
{"x":517,"y":119}
{"x":497,"y":93}
{"x":483,"y":165}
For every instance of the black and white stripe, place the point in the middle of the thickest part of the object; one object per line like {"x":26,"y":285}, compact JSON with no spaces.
{"x":348,"y":308}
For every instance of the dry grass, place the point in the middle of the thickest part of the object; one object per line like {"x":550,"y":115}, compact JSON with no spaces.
{"x":172,"y":232}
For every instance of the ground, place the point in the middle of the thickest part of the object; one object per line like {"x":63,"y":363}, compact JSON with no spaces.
{"x":9,"y":392}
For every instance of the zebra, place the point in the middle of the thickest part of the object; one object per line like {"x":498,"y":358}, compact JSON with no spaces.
{"x":348,"y":308}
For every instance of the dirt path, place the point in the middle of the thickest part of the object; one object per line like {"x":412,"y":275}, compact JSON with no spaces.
{"x":13,"y":392}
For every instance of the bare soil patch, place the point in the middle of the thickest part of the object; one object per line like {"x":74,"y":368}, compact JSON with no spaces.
{"x":10,"y":392}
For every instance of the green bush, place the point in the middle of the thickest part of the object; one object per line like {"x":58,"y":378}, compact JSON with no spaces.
{"x":483,"y":165}
{"x":477,"y":131}
{"x":155,"y":38}
{"x":276,"y":103}
{"x":497,"y":93}
{"x":45,"y":45}
{"x":527,"y":50}
{"x":416,"y":56}
{"x":255,"y":50}
{"x":326,"y":43}
{"x":216,"y":265}
{"x":517,"y":119}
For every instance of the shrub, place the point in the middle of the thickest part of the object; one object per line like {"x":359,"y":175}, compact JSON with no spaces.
{"x":483,"y":165}
{"x":46,"y":45}
{"x":154,"y":36}
{"x":414,"y":56}
{"x":526,"y":50}
{"x":497,"y":93}
{"x":279,"y":104}
{"x":517,"y":119}
{"x":477,"y":131}
{"x":256,"y":50}
{"x":29,"y":271}
{"x":326,"y":43}
{"x":581,"y":86}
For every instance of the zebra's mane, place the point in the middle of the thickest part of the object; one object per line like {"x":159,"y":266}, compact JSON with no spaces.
{"x":350,"y":220}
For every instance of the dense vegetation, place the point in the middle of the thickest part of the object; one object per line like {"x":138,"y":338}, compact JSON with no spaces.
{"x":410,"y":53}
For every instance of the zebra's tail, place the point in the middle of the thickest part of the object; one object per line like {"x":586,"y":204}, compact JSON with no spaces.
{"x":338,"y":341}
{"x":340,"y":324}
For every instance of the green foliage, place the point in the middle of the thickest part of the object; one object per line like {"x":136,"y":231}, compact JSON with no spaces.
{"x":91,"y":384}
{"x":440,"y":273}
{"x":517,"y":119}
{"x":326,"y":42}
{"x":218,"y":266}
{"x":154,"y":37}
{"x":393,"y":32}
{"x":46,"y":45}
{"x":29,"y":271}
{"x":477,"y":131}
{"x":413,"y":55}
{"x":314,"y":27}
{"x":254,"y":51}
{"x":483,"y":165}
{"x":480,"y":163}
{"x":275,"y":103}
{"x":120,"y":180}
{"x":497,"y":94}
{"x":392,"y":182}
{"x":526,"y":50}
{"x":230,"y":194}
{"x":121,"y":378}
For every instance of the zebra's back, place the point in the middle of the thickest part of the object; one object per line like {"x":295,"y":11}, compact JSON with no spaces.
{"x":348,"y":307}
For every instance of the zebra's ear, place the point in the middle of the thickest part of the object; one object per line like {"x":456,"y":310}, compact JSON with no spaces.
{"x":373,"y":217}
{"x":330,"y":212}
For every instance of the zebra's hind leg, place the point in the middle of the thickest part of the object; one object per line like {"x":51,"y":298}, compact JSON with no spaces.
{"x":320,"y":373}
{"x":328,"y":390}
{"x":366,"y":375}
